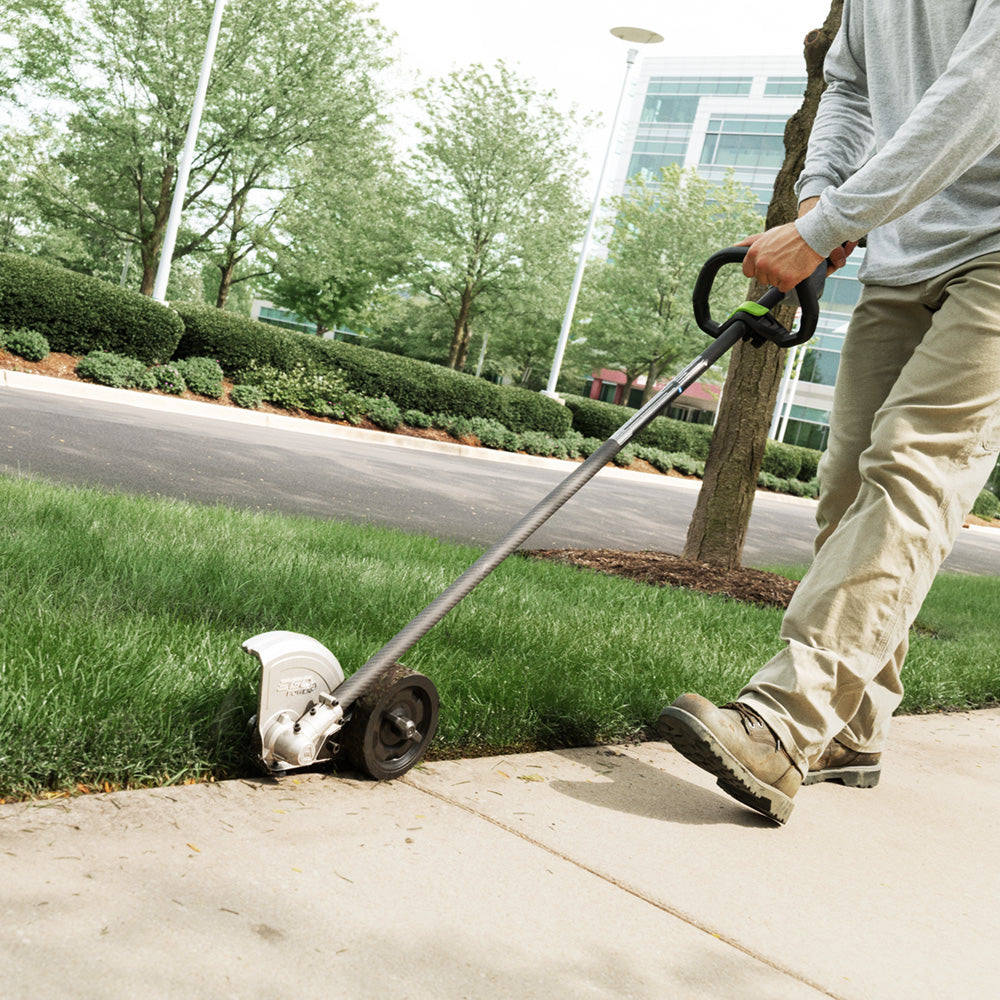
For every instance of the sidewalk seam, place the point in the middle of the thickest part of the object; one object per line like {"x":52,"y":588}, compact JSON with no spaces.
{"x":671,"y":911}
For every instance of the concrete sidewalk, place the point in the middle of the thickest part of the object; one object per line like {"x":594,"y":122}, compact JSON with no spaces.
{"x":603,"y":872}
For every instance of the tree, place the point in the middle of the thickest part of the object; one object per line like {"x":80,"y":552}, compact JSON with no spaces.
{"x":349,"y":234}
{"x":662,"y":232}
{"x":288,"y":75}
{"x":499,"y":170}
{"x":18,"y":150}
{"x":719,"y":524}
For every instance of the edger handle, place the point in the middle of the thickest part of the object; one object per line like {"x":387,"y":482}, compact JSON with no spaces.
{"x":756,"y":316}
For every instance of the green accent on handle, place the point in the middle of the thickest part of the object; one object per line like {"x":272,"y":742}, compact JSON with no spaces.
{"x":754,"y":308}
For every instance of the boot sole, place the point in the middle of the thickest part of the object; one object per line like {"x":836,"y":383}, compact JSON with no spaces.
{"x":695,"y":741}
{"x":853,"y":777}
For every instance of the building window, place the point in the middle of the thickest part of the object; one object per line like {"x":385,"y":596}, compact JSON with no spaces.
{"x":820,"y":367}
{"x":755,"y":142}
{"x":841,"y":294}
{"x":806,"y":435}
{"x":669,"y":109}
{"x":738,"y":85}
{"x":785,"y":86}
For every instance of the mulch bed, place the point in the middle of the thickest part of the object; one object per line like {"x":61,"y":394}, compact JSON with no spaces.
{"x":659,"y":569}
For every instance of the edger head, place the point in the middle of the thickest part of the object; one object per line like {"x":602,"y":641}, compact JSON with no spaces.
{"x":301,"y":722}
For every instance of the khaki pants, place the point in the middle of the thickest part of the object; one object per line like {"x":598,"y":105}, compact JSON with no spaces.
{"x":914,"y":434}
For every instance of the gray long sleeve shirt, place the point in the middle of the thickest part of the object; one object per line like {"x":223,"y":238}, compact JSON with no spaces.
{"x":906,"y":144}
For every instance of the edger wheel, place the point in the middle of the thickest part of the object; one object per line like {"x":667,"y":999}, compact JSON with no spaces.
{"x":392,"y":725}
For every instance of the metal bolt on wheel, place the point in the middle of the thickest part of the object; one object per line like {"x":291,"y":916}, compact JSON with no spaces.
{"x":392,"y":725}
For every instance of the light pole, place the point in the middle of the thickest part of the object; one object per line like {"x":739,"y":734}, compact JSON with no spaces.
{"x":184,"y":168}
{"x":641,"y":36}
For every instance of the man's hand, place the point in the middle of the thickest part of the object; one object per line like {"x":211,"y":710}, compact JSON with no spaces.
{"x":780,"y":257}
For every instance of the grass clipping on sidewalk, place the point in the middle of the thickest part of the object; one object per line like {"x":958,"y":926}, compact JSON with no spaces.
{"x":123,"y":617}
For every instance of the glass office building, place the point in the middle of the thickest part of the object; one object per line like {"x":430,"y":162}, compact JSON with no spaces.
{"x":719,"y":115}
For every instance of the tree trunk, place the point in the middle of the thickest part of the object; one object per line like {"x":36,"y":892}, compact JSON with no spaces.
{"x":152,"y":244}
{"x":458,"y":353}
{"x":719,"y":524}
{"x":652,"y":374}
{"x":225,"y":283}
{"x":462,"y":357}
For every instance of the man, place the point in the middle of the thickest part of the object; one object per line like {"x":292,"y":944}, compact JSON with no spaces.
{"x":905,"y":149}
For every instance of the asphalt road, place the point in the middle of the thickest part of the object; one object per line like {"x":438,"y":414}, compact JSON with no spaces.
{"x":82,"y":441}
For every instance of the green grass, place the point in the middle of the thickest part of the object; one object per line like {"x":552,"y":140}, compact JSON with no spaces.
{"x":122,"y":621}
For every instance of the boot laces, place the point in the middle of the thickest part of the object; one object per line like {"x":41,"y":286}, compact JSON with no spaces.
{"x":751,"y":720}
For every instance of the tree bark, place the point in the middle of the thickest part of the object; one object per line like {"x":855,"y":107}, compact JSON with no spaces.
{"x":459,"y":350}
{"x":225,"y":283}
{"x":718,"y":526}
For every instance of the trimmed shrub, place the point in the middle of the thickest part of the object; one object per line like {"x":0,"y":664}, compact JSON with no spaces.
{"x":493,"y":434}
{"x":541,"y":444}
{"x":25,"y":343}
{"x":987,"y":505}
{"x":167,"y":378}
{"x":349,"y":406}
{"x":588,"y":446}
{"x":202,"y":375}
{"x":574,"y":444}
{"x":417,"y":418}
{"x":249,"y":397}
{"x":625,"y":457}
{"x":657,"y":458}
{"x":115,"y":370}
{"x":413,"y":384}
{"x":303,"y":387}
{"x":686,"y":465}
{"x":236,"y":342}
{"x":767,"y":481}
{"x":781,"y":460}
{"x":810,"y":462}
{"x":78,"y":314}
{"x":522,"y":409}
{"x":458,"y":427}
{"x":592,"y":418}
{"x":383,"y":413}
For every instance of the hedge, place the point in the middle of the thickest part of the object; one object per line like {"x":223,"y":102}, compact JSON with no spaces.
{"x":593,"y":418}
{"x":78,"y":314}
{"x":781,"y":460}
{"x":987,"y":505}
{"x":236,"y":342}
{"x":420,"y":385}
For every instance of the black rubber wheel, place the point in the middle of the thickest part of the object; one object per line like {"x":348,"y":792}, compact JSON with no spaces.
{"x":392,"y":725}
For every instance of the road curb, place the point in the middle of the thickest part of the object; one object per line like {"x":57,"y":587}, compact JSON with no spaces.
{"x":300,"y":425}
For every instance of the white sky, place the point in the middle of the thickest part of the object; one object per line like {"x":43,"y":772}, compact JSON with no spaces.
{"x":567,"y":46}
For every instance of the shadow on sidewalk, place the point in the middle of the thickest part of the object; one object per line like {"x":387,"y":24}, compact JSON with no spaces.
{"x":641,"y":789}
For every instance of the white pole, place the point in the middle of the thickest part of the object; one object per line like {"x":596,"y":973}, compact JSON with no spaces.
{"x":550,"y":389}
{"x":779,"y":407}
{"x":184,"y":169}
{"x":482,"y":354}
{"x":792,"y":388}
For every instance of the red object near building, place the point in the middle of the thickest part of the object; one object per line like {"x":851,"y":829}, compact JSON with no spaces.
{"x":696,"y":404}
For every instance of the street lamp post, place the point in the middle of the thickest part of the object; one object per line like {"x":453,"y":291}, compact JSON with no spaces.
{"x":184,"y":167}
{"x":641,"y":36}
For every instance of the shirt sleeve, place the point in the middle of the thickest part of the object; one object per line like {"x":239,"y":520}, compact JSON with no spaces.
{"x":954,"y":125}
{"x":842,"y":135}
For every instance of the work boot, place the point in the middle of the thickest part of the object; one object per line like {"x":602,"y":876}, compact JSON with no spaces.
{"x":738,"y":748}
{"x":850,"y":767}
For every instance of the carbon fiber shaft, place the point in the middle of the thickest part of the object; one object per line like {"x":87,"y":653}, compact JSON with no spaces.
{"x":360,"y":682}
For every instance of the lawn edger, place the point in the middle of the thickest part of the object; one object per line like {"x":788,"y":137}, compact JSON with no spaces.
{"x":382,"y":717}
